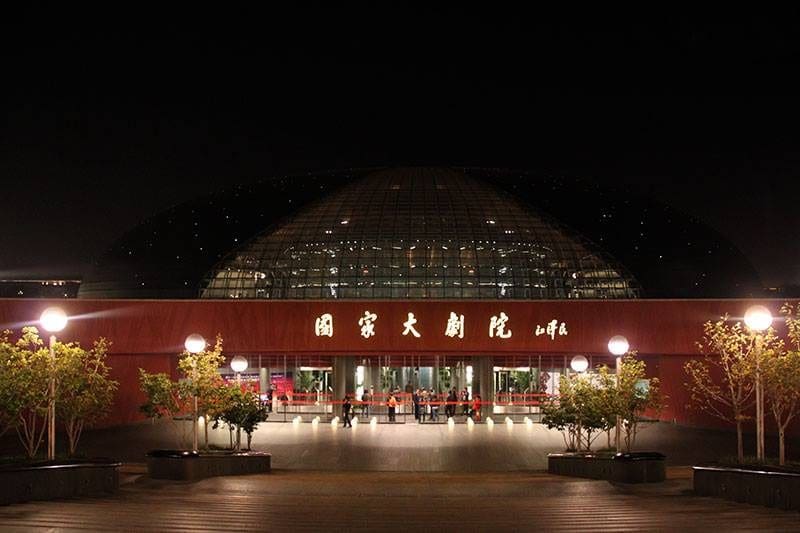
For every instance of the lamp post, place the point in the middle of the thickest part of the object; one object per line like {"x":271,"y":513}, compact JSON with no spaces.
{"x":238,"y":365}
{"x":618,"y":346}
{"x":758,"y":319}
{"x":53,"y":320}
{"x":194,"y":344}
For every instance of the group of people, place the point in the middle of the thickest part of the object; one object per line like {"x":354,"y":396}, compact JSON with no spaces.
{"x":347,"y":408}
{"x":426,"y":405}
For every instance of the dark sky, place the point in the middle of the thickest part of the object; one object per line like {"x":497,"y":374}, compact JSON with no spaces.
{"x":107,"y":123}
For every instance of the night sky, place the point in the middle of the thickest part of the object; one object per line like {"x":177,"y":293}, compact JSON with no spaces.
{"x":105,"y":125}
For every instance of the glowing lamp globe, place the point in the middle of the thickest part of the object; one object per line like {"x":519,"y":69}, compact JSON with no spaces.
{"x":579,"y":363}
{"x":618,"y":345}
{"x":238,"y":364}
{"x":53,"y":319}
{"x":758,"y":318}
{"x":195,"y":343}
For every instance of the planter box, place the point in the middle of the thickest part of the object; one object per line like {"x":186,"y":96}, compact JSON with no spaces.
{"x":757,"y":487}
{"x":48,"y":481}
{"x":622,"y":467}
{"x":193,"y":466}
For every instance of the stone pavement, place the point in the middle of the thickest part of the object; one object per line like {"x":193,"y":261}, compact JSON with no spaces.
{"x":408,"y":447}
{"x":291,"y":500}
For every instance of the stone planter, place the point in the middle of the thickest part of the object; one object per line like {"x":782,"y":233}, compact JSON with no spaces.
{"x":645,"y":467}
{"x":192,"y":466}
{"x":49,"y":481}
{"x":767,"y":488}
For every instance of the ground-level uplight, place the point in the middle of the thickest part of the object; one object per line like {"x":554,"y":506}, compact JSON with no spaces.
{"x":470,"y":423}
{"x":758,"y":318}
{"x":335,"y":422}
{"x":451,"y":423}
{"x":374,"y":422}
{"x":489,"y":422}
{"x":53,"y":320}
{"x":509,"y":422}
{"x":195,"y":344}
{"x":528,"y":422}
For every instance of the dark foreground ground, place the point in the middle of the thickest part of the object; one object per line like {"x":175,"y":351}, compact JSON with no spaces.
{"x":400,"y":501}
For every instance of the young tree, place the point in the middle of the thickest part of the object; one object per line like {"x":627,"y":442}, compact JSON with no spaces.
{"x":782,"y":379}
{"x":576,"y":412}
{"x":634,"y":396}
{"x":164,"y":398}
{"x":782,"y":387}
{"x":202,"y":379}
{"x":85,"y":391}
{"x":721,"y":384}
{"x":29,"y":367}
{"x":242,"y":410}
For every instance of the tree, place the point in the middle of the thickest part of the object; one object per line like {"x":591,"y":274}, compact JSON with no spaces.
{"x":244,"y":411}
{"x":85,"y":392}
{"x":635,"y":394}
{"x":576,"y":411}
{"x":721,"y":384}
{"x":24,"y":387}
{"x":782,"y":387}
{"x":782,"y":380}
{"x":201,"y":380}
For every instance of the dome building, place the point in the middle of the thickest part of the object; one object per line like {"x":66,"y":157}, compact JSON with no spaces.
{"x":418,"y":233}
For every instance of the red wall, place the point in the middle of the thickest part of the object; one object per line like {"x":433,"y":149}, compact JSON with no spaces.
{"x":149,"y":333}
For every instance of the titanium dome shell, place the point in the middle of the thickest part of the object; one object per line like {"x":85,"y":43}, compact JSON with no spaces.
{"x":418,"y":233}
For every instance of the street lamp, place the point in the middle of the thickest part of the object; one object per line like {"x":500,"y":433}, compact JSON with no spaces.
{"x":579,"y":364}
{"x":53,"y":320}
{"x":195,"y":344}
{"x":758,"y":318}
{"x":238,"y":365}
{"x":618,"y":346}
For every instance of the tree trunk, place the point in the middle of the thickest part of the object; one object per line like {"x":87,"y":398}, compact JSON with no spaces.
{"x":205,"y":430}
{"x":238,"y":438}
{"x":249,"y":440}
{"x":739,"y":440}
{"x":781,"y":447}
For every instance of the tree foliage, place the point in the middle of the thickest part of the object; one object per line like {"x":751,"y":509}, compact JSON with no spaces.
{"x":83,"y":390}
{"x":722,"y":382}
{"x":589,"y":404}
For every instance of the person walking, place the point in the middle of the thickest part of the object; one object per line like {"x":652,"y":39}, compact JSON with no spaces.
{"x":392,"y":403}
{"x":415,"y":399}
{"x":465,"y":402}
{"x":434,"y":407}
{"x":347,"y":407}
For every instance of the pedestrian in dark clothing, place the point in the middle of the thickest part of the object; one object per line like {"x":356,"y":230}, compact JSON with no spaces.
{"x":347,"y":407}
{"x":415,"y":399}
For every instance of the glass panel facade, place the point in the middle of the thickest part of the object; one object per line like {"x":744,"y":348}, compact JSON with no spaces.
{"x":418,"y":233}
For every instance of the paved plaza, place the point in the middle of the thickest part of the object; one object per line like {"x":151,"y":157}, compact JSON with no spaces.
{"x":290,"y":500}
{"x":407,"y":447}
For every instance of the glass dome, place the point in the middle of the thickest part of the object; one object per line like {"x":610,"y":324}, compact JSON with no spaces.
{"x":418,"y":233}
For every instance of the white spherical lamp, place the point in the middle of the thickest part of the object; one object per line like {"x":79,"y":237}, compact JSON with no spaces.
{"x":195,"y":343}
{"x":618,"y":345}
{"x":53,"y":319}
{"x":238,"y":364}
{"x":579,"y":363}
{"x":758,"y":318}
